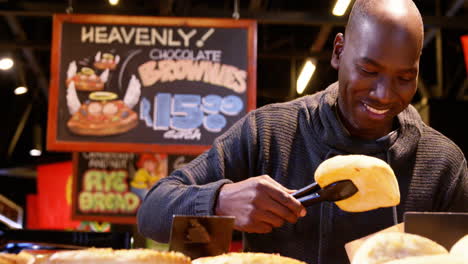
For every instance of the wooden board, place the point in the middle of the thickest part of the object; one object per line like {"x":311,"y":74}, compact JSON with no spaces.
{"x":445,"y":228}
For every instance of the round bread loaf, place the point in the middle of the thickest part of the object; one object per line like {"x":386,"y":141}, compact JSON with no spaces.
{"x":434,"y":259}
{"x":388,"y":246}
{"x":247,"y":258}
{"x":21,"y":258}
{"x":461,"y":248}
{"x":375,"y":180}
{"x":7,"y":258}
{"x":110,"y":256}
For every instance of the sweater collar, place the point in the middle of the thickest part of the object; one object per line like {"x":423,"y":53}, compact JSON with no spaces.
{"x":328,"y":128}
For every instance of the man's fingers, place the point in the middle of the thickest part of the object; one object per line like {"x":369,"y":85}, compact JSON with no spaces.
{"x":278,"y":193}
{"x":277,"y":209}
{"x":269,"y":218}
{"x":261,"y":228}
{"x":259,"y":204}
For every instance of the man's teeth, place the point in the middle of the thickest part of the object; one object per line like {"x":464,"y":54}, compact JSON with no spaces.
{"x":376,"y":111}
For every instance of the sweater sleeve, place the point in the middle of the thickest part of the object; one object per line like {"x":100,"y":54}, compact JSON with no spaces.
{"x":460,"y":200}
{"x":193,"y":189}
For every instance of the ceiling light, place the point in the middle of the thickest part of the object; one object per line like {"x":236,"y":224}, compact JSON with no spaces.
{"x":21,"y":90}
{"x":305,"y":75}
{"x":35,"y":152}
{"x":6,"y":63}
{"x":114,"y":2}
{"x":340,"y":7}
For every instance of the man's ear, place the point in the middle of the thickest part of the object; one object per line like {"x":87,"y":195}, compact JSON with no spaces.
{"x":338,"y":46}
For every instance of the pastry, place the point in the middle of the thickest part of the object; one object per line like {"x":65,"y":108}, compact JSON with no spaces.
{"x":110,"y":256}
{"x":247,"y":258}
{"x":376,"y":183}
{"x":388,"y":246}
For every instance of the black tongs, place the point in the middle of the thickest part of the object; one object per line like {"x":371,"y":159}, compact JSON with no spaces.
{"x":312,"y":194}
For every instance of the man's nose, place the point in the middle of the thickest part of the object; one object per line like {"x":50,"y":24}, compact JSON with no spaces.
{"x":383,"y":90}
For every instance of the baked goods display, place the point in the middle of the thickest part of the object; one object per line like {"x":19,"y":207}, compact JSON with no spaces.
{"x":247,"y":258}
{"x":106,"y":61}
{"x":388,"y":246}
{"x":21,"y":258}
{"x":460,"y":248}
{"x":6,"y":258}
{"x":404,"y":248}
{"x":102,"y":116}
{"x":86,"y":80}
{"x":375,"y":180}
{"x":110,"y":256}
{"x":435,"y":259}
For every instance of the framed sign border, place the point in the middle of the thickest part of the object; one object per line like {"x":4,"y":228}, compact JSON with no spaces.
{"x":64,"y":145}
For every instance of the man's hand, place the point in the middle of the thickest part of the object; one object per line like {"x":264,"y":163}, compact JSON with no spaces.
{"x":259,"y":204}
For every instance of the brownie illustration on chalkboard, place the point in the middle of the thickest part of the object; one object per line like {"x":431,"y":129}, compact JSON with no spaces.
{"x":103,"y":114}
{"x":106,"y":61}
{"x":86,"y":79}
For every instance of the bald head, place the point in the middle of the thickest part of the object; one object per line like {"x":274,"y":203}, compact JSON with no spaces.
{"x":378,"y":65}
{"x":402,"y":15}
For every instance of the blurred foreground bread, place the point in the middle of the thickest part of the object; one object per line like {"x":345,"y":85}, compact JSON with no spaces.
{"x":375,"y":180}
{"x":247,"y":258}
{"x":460,"y":248}
{"x":384,"y":247}
{"x":110,"y":256}
{"x":434,"y":259}
{"x":21,"y":258}
{"x":458,"y":255}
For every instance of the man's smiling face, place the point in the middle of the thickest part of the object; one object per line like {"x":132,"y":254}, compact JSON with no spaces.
{"x":378,"y":67}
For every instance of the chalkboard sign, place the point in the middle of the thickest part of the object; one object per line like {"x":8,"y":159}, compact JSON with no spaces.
{"x":110,"y":186}
{"x":148,"y":84}
{"x":176,"y":162}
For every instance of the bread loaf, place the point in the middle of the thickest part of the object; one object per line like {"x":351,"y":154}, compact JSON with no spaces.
{"x":388,"y":246}
{"x":21,"y":258}
{"x":110,"y":256}
{"x":375,"y":180}
{"x":247,"y":258}
{"x":434,"y":259}
{"x":461,"y":248}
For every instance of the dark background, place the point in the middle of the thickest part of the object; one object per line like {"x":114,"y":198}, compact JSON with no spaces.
{"x":288,"y":32}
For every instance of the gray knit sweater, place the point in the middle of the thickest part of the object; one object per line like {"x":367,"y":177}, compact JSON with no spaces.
{"x":288,"y":141}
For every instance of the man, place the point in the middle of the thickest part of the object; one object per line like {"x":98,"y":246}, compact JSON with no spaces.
{"x":253,"y":168}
